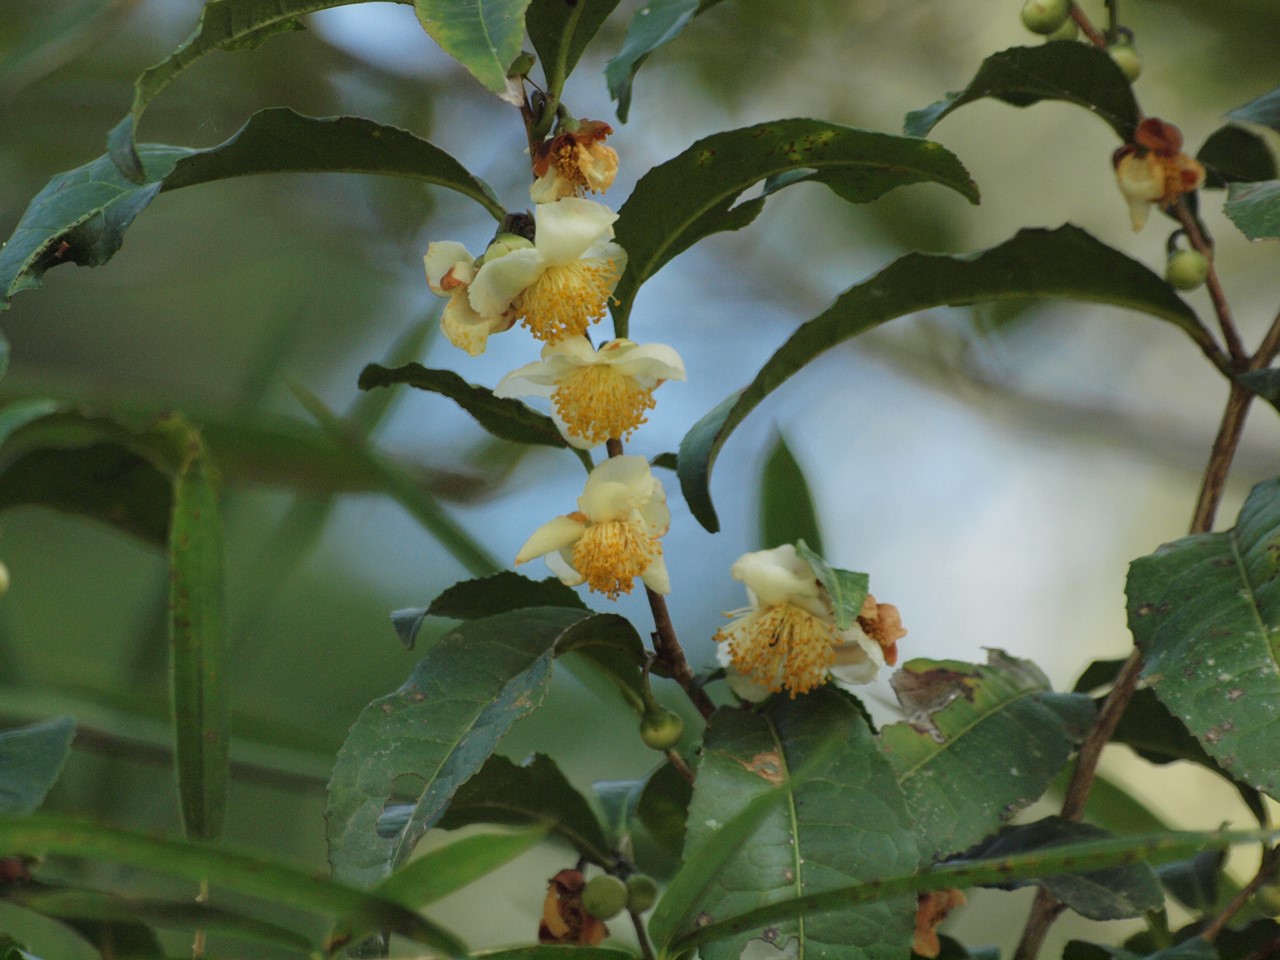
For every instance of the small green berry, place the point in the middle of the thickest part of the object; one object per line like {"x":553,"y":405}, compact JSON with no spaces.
{"x":1045,"y":16}
{"x":661,"y":729}
{"x":1128,"y":59}
{"x":1070,"y":30}
{"x":604,"y":897}
{"x":642,"y":892}
{"x":1186,"y":269}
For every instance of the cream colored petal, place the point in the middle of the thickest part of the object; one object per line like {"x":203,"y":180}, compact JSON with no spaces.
{"x":550,"y":187}
{"x":571,"y":352}
{"x":606,"y":500}
{"x":776,"y":576}
{"x":556,"y":534}
{"x":559,"y":564}
{"x":465,"y":328}
{"x":575,"y":441}
{"x":656,"y":578}
{"x":535,"y":379}
{"x":500,"y":281}
{"x":630,"y":470}
{"x":441,"y":257}
{"x":857,"y":661}
{"x":646,"y":362}
{"x":566,"y":229}
{"x":655,"y":514}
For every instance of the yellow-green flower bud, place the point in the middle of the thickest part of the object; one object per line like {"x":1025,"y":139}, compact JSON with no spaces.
{"x":604,"y":897}
{"x":642,"y":892}
{"x":661,"y":729}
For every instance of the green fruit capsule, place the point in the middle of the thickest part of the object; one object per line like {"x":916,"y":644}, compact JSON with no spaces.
{"x":661,"y":729}
{"x":1186,"y":269}
{"x":1070,"y":30}
{"x":642,"y":892}
{"x":1045,"y":16}
{"x":604,"y":897}
{"x":1128,"y":59}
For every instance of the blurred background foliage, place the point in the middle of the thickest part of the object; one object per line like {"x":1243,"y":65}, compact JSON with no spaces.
{"x":994,"y":470}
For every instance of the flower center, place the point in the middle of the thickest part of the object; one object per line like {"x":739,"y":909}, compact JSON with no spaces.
{"x":610,"y":555}
{"x":782,"y":647}
{"x":567,"y":298}
{"x":598,"y":402}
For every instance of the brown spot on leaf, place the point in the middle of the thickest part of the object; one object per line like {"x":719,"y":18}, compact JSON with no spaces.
{"x":767,"y":765}
{"x":1235,"y":693}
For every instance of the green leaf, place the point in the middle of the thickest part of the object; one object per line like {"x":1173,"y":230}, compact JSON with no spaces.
{"x":1065,"y":263}
{"x":847,"y":590}
{"x":445,"y":870}
{"x":555,"y":951}
{"x":197,"y":636}
{"x":482,"y":35}
{"x":1194,"y":882}
{"x":409,"y":752}
{"x":654,"y":25}
{"x":787,"y":513}
{"x":81,"y":215}
{"x":1078,"y":73}
{"x":1193,"y":948}
{"x":560,"y":31}
{"x":1265,"y":383}
{"x":1255,"y":208}
{"x":254,"y":876}
{"x":30,"y":760}
{"x":1205,"y":610}
{"x":534,"y":793}
{"x":981,"y":743}
{"x":1264,"y":110}
{"x":844,"y":822}
{"x":1233,"y":155}
{"x":692,"y":196}
{"x":472,"y":599}
{"x":662,"y":810}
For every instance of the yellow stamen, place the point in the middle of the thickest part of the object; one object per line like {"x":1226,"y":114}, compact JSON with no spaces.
{"x":598,"y":402}
{"x":567,"y":298}
{"x":782,"y":647}
{"x":612,"y":554}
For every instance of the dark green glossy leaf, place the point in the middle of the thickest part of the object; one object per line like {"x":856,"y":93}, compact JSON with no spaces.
{"x":30,"y":760}
{"x":981,"y":743}
{"x":1078,"y":73}
{"x":846,"y":821}
{"x":1264,"y":110}
{"x":1065,"y":263}
{"x":482,"y":35}
{"x":692,"y":196}
{"x":1113,"y":893}
{"x":1099,"y":674}
{"x":1265,"y":383}
{"x":1255,"y":208}
{"x":407,"y":622}
{"x":504,"y":591}
{"x":662,"y":810}
{"x":445,"y":870}
{"x":654,"y":25}
{"x":1233,"y":154}
{"x":534,"y":793}
{"x":1194,"y":948}
{"x":787,"y":513}
{"x":1205,"y":611}
{"x":847,"y":590}
{"x":560,"y":31}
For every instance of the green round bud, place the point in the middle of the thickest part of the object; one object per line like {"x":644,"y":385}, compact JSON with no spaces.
{"x":604,"y":897}
{"x":642,"y":892}
{"x":661,"y":729}
{"x":503,"y":244}
{"x":1267,"y":899}
{"x":1070,"y":30}
{"x":1128,"y":59}
{"x":1045,"y":16}
{"x":1186,"y":269}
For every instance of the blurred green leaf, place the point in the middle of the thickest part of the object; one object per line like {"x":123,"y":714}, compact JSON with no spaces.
{"x":1205,"y":610}
{"x":504,"y":591}
{"x":482,"y":35}
{"x":1065,"y":263}
{"x":1232,"y":155}
{"x":980,"y":743}
{"x":1193,"y":948}
{"x":847,"y":590}
{"x":534,"y":793}
{"x":1255,"y":208}
{"x":787,"y":513}
{"x":692,"y":196}
{"x":555,"y":951}
{"x":654,"y":25}
{"x":1265,"y":383}
{"x":846,"y":821}
{"x":30,"y":760}
{"x":440,"y":872}
{"x":1078,"y":73}
{"x":662,"y":809}
{"x":560,"y":31}
{"x":10,"y":949}
{"x":1264,"y":110}
{"x":1194,"y":882}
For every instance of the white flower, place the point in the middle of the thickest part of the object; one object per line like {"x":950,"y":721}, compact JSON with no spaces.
{"x":612,"y":538}
{"x":787,"y":638}
{"x":450,"y":272}
{"x":596,"y":394}
{"x":561,"y":285}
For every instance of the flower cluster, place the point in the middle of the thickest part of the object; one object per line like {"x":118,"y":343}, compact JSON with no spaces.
{"x":1154,"y":170}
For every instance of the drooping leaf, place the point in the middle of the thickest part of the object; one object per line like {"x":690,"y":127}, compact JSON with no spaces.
{"x":1264,"y":110}
{"x":30,"y":760}
{"x":1066,"y":263}
{"x":1112,"y":893}
{"x":447,"y":869}
{"x":654,"y":25}
{"x":560,"y":31}
{"x":1255,"y":208}
{"x":1205,"y":611}
{"x":787,"y":513}
{"x":482,"y":35}
{"x":1233,"y":155}
{"x":80,"y":216}
{"x":692,"y":196}
{"x":847,"y":589}
{"x":646,"y":818}
{"x":844,"y":822}
{"x":1078,"y":73}
{"x":980,"y":742}
{"x":534,"y":793}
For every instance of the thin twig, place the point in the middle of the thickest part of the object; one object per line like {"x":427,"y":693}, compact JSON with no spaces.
{"x":1086,"y":26}
{"x":1200,"y":242}
{"x":1267,"y":870}
{"x":677,"y":761}
{"x":1219,"y":465}
{"x":671,"y":654}
{"x":642,"y":936}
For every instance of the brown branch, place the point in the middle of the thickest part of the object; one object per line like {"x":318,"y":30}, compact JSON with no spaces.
{"x":1200,"y":242}
{"x":1270,"y":862}
{"x":1086,"y":26}
{"x":1224,"y":449}
{"x":642,"y":936}
{"x":677,"y":761}
{"x":671,"y":654}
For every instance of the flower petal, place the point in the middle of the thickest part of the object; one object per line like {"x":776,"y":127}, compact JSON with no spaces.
{"x":556,"y":534}
{"x":465,"y":328}
{"x":500,"y":281}
{"x":857,"y":662}
{"x":646,"y":362}
{"x":656,"y":577}
{"x":442,"y":257}
{"x":558,"y":563}
{"x":566,"y":229}
{"x":777,"y":576}
{"x":535,"y":379}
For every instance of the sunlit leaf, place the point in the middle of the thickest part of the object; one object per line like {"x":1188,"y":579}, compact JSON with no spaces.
{"x":692,"y":196}
{"x":1255,"y":208}
{"x":654,"y":25}
{"x":787,"y":513}
{"x":30,"y":760}
{"x":482,"y":35}
{"x":1234,"y":155}
{"x":560,"y":31}
{"x":1078,"y":73}
{"x":1065,"y":263}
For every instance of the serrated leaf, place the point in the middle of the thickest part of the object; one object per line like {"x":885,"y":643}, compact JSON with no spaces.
{"x":80,"y":216}
{"x":534,"y":793}
{"x":504,"y":591}
{"x":692,"y":196}
{"x":844,"y":822}
{"x":1255,"y":208}
{"x":787,"y":513}
{"x":30,"y":760}
{"x":560,"y":31}
{"x":1078,"y":73}
{"x":847,"y":589}
{"x":1205,"y":610}
{"x":654,"y":25}
{"x":408,"y":753}
{"x":1232,"y":155}
{"x":1065,"y":263}
{"x":1264,"y":110}
{"x":482,"y":35}
{"x":980,"y":743}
